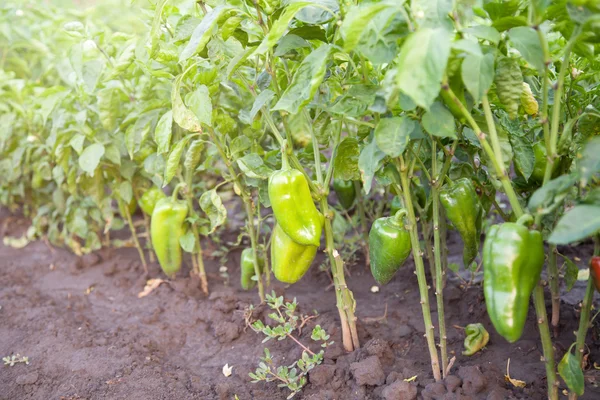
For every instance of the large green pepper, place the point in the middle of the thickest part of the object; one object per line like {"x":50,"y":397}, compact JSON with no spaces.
{"x":464,"y":211}
{"x":293,"y":206}
{"x":289,"y":260}
{"x":389,"y":246}
{"x":345,"y":192}
{"x":167,"y":227}
{"x":247,"y":268}
{"x":513,"y":257}
{"x":149,"y":199}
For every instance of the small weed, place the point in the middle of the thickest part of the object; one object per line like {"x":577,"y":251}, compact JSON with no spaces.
{"x":14,"y":359}
{"x":292,"y":376}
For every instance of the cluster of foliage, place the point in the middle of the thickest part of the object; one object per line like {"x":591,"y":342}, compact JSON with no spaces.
{"x":405,"y":98}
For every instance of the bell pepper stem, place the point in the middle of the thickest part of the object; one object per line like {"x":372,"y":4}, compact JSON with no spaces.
{"x":147,"y":229}
{"x":439,"y":272}
{"x":584,"y":319}
{"x":420,"y":271}
{"x":134,"y":234}
{"x":548,"y":350}
{"x":344,"y":298}
{"x":247,"y":199}
{"x":363,"y":221}
{"x":554,"y":289}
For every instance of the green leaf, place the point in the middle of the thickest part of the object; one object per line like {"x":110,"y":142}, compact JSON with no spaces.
{"x":173,"y":160}
{"x":188,"y":242}
{"x":369,"y":162}
{"x":434,"y":14}
{"x":421,"y":65}
{"x":506,"y":23}
{"x":393,"y":134}
{"x":125,"y":191}
{"x":181,"y":114}
{"x":76,"y":142}
{"x":571,"y":272}
{"x":90,"y":158}
{"x":357,"y":20}
{"x":280,"y":27}
{"x":192,"y":157}
{"x":305,"y":82}
{"x":589,"y":162}
{"x":155,"y":32}
{"x":163,"y":132}
{"x":548,"y":197}
{"x":570,"y":370}
{"x":477,"y":337}
{"x":477,"y":72}
{"x":345,"y":164}
{"x":288,"y":43}
{"x":263,"y":99}
{"x":252,"y":166}
{"x":484,"y":32}
{"x":524,"y":155}
{"x":202,"y":33}
{"x":579,"y":223}
{"x":438,"y":121}
{"x":211,"y":204}
{"x":526,"y":41}
{"x":200,"y":104}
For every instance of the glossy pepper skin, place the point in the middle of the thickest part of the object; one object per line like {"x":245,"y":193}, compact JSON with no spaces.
{"x":595,"y":272}
{"x":513,"y":257}
{"x":167,"y":227}
{"x":289,"y":260}
{"x":463,"y":209}
{"x":247,"y":268}
{"x":389,"y":246}
{"x":345,"y":192}
{"x":541,"y":159}
{"x":149,"y":199}
{"x":293,"y":206}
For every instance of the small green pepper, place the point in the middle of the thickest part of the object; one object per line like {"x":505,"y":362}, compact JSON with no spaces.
{"x":464,"y":210}
{"x":149,"y":199}
{"x":513,"y":257}
{"x":389,"y":246}
{"x":345,"y":192}
{"x":166,"y":228}
{"x":247,"y":268}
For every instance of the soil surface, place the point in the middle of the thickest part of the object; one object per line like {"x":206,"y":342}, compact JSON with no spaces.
{"x":89,"y":336}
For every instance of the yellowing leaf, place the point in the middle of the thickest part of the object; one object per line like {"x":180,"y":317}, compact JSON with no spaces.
{"x":151,"y":284}
{"x":227,"y":370}
{"x":514,"y":382}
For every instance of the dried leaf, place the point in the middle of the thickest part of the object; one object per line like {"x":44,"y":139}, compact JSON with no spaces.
{"x":514,"y":382}
{"x":227,"y":370}
{"x":151,"y":284}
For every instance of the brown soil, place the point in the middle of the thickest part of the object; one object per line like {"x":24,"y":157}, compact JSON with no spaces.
{"x":88,"y":336}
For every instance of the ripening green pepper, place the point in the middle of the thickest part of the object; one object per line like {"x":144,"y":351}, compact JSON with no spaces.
{"x":167,"y":227}
{"x":541,"y":160}
{"x":389,"y":246}
{"x":464,"y":210}
{"x":247,"y":268}
{"x":513,"y":257}
{"x":149,"y":199}
{"x":396,"y":205}
{"x":289,"y":260}
{"x":345,"y":192}
{"x":293,"y":206}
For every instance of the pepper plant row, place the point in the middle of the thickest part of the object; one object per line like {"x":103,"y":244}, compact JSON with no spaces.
{"x":444,"y":109}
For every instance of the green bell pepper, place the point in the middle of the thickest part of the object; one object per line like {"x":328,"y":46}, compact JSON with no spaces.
{"x":389,"y":246}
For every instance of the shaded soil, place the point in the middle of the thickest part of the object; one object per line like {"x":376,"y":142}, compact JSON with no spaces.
{"x":88,"y":335}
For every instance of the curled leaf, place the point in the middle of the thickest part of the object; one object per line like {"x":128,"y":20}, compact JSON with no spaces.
{"x":515,"y":382}
{"x":477,"y":338}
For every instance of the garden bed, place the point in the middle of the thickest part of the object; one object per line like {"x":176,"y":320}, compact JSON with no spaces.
{"x":88,"y":335}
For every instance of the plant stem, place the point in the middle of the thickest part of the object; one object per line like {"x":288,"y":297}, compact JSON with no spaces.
{"x":554,"y":289}
{"x":584,"y":319}
{"x":249,"y":204}
{"x":540,"y":310}
{"x":363,"y":221}
{"x":198,"y":263}
{"x":420,"y":271}
{"x":125,"y":207}
{"x":437,"y":251}
{"x":147,"y":229}
{"x":344,"y":298}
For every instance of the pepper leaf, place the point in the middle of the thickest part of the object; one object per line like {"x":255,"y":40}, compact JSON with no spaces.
{"x":393,"y":134}
{"x":580,"y":222}
{"x":477,"y":338}
{"x":345,"y":165}
{"x":212,"y":205}
{"x":173,"y":160}
{"x":570,"y":370}
{"x":438,"y":121}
